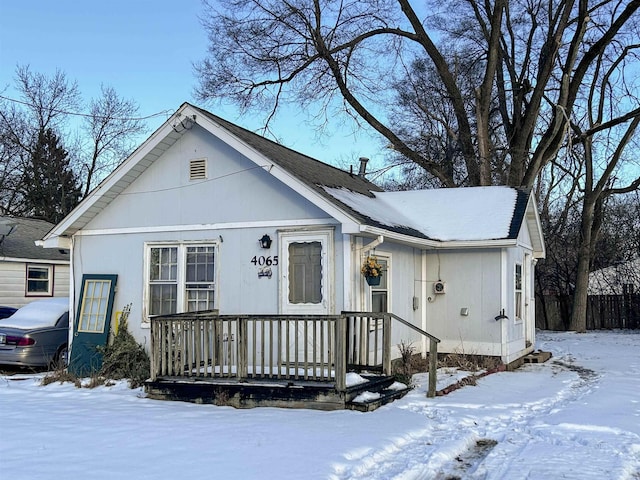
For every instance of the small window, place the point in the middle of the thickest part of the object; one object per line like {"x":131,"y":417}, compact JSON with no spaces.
{"x":518,"y":291}
{"x":39,"y":280}
{"x":198,"y":169}
{"x":380,"y":293}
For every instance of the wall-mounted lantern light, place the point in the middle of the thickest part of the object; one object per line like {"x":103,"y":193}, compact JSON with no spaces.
{"x":265,"y":241}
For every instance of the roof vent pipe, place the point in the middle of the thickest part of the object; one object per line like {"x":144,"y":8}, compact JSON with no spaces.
{"x":363,"y":166}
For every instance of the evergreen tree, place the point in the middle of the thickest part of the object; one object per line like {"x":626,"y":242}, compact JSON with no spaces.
{"x":51,"y":189}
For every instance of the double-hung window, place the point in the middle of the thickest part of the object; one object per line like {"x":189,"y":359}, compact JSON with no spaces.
{"x":181,"y":278}
{"x":39,"y":280}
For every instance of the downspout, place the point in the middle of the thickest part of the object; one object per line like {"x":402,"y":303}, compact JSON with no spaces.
{"x":370,"y":246}
{"x":424,"y":303}
{"x":72,"y":290}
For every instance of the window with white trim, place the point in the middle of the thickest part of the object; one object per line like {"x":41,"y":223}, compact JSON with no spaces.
{"x":518,"y":291}
{"x":181,"y":278}
{"x":380,"y":293}
{"x":39,"y":280}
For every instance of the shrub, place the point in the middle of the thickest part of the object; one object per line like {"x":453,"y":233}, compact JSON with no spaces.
{"x":124,"y":358}
{"x":60,"y":375}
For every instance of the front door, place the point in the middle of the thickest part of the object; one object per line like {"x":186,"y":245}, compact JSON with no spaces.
{"x":93,"y":320}
{"x":306,"y":284}
{"x":306,"y":273}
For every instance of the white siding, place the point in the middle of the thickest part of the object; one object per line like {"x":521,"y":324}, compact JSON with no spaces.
{"x":13,"y":279}
{"x":233,"y":208}
{"x":473,"y":282}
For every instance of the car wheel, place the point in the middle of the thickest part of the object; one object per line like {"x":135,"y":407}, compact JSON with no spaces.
{"x":61,"y":359}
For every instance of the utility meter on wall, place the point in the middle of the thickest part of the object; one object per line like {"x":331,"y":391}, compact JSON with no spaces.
{"x":439,"y":287}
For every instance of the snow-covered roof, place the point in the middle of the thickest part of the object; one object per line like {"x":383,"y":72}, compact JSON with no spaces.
{"x":460,"y":214}
{"x":611,"y":280}
{"x":424,"y":218}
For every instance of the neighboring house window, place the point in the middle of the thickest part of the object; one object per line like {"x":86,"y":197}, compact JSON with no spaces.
{"x":380,"y":293}
{"x":39,"y":280}
{"x":518,"y":291}
{"x":181,"y":278}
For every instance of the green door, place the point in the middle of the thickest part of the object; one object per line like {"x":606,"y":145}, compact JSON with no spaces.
{"x":93,"y":320}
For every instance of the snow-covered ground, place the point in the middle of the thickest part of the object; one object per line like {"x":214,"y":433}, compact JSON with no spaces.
{"x":576,"y":416}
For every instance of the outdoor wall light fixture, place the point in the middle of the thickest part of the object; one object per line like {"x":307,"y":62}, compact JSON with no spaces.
{"x":265,"y":241}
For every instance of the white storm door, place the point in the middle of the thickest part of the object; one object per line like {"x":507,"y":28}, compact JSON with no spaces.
{"x":306,"y":272}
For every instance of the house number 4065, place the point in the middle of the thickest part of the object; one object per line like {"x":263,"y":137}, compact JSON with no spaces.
{"x":262,"y":260}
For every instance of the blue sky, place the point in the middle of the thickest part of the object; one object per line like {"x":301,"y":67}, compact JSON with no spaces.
{"x":144,"y":49}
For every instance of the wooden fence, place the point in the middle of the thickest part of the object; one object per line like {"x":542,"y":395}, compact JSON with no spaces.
{"x":553,"y":312}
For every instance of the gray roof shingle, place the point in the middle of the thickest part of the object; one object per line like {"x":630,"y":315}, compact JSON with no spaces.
{"x":19,"y":242}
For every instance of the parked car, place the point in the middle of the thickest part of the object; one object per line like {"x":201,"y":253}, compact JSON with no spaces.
{"x":36,"y":335}
{"x":6,"y":311}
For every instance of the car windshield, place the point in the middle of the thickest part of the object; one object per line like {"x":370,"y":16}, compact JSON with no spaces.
{"x":42,"y":313}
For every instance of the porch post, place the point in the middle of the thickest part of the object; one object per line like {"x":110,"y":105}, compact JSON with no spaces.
{"x":433,"y":367}
{"x":243,"y":356}
{"x":341,"y":353}
{"x":386,"y":344}
{"x":154,"y":351}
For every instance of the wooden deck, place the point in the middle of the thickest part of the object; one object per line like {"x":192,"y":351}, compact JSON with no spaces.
{"x":274,"y":360}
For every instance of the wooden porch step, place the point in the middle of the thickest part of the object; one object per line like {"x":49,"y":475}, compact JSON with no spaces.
{"x":537,"y":357}
{"x":378,"y":399}
{"x":375,"y":393}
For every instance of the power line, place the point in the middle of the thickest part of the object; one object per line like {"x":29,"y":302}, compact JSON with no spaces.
{"x":87,"y":115}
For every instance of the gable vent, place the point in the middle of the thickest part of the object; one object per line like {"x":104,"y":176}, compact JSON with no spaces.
{"x":198,"y":169}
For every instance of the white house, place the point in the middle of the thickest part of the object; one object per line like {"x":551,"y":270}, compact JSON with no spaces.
{"x":623,"y":278}
{"x":28,"y":272}
{"x":205,"y":214}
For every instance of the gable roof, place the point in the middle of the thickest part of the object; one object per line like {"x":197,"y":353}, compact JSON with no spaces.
{"x":610,"y":280}
{"x":18,"y":237}
{"x":315,"y":180}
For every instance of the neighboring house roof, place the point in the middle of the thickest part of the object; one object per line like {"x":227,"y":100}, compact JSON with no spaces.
{"x":18,"y":237}
{"x":610,"y":280}
{"x":332,"y":190}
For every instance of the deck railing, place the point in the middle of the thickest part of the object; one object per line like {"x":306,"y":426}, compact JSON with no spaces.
{"x":277,"y":347}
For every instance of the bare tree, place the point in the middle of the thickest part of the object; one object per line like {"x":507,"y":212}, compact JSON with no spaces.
{"x":46,"y":107}
{"x":110,"y":126}
{"x":46,"y":102}
{"x":533,"y":57}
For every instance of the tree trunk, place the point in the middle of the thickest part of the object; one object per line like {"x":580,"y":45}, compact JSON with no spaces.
{"x":579,"y":312}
